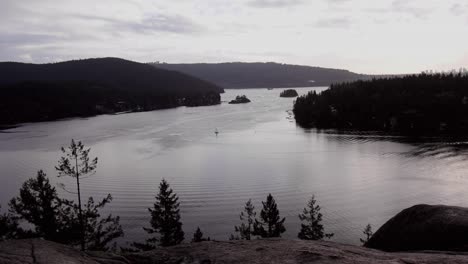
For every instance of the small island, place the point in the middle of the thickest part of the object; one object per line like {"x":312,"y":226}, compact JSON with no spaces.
{"x":240,"y":99}
{"x":289,"y":93}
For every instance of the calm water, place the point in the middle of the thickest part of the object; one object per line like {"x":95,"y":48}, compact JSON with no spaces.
{"x":356,"y":179}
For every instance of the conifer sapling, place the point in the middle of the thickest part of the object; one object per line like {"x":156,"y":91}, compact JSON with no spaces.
{"x":247,"y":217}
{"x":311,"y":226}
{"x":368,"y":232}
{"x":166,"y":227}
{"x":270,"y":224}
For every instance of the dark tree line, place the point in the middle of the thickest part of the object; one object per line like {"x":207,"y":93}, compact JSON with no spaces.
{"x":35,"y":101}
{"x":39,"y":92}
{"x":415,"y":104}
{"x":271,"y":224}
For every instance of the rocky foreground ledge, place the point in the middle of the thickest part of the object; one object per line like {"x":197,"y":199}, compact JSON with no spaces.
{"x":255,"y":251}
{"x":421,"y":227}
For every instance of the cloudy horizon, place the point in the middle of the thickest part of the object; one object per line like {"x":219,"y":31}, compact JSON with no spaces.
{"x":390,"y":36}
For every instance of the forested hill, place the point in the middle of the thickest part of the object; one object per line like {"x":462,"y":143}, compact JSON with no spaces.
{"x":414,"y":104}
{"x":263,"y":75}
{"x":38,"y":92}
{"x":116,"y":73}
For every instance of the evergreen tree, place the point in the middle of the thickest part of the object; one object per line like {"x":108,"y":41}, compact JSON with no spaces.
{"x":198,"y":236}
{"x":76,"y":164}
{"x":39,"y":204}
{"x":368,"y":232}
{"x":312,"y":229}
{"x":270,"y":224}
{"x":99,"y":231}
{"x":9,"y":227}
{"x":247,"y":217}
{"x":165,"y":220}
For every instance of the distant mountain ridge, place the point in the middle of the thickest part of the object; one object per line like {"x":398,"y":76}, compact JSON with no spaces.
{"x":118,"y":73}
{"x":263,"y":75}
{"x":40,"y":92}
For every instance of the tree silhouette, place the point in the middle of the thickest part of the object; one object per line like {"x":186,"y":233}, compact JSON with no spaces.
{"x":368,"y":232}
{"x":312,"y":228}
{"x":289,"y":93}
{"x":76,"y":164}
{"x":39,"y":204}
{"x":99,"y":231}
{"x":95,"y":86}
{"x":247,"y":217}
{"x":9,"y":226}
{"x":270,"y":224}
{"x":60,"y":220}
{"x":198,"y":236}
{"x":424,"y":104}
{"x":165,"y":220}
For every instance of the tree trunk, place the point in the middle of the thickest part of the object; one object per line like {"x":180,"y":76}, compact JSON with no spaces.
{"x":82,"y":230}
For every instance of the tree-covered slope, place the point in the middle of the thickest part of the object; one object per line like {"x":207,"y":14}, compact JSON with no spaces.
{"x":114,"y":72}
{"x":415,"y":104}
{"x":263,"y":75}
{"x":37,"y":92}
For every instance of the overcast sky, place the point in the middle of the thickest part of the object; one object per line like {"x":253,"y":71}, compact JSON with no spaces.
{"x":366,"y":36}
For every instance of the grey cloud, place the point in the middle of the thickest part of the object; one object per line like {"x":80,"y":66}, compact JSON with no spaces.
{"x":337,"y":1}
{"x":174,"y":24}
{"x":274,"y":3}
{"x":22,"y":42}
{"x":18,"y":39}
{"x":153,"y":23}
{"x":459,"y":9}
{"x":333,"y":23}
{"x":41,"y":40}
{"x":29,"y":54}
{"x":404,"y":7}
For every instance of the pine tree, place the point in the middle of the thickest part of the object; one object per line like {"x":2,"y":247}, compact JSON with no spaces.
{"x":165,"y":220}
{"x":9,"y":226}
{"x":247,"y":217}
{"x":312,"y":229}
{"x":39,"y":204}
{"x":368,"y":232}
{"x":100,"y":232}
{"x":198,"y":236}
{"x":270,"y":224}
{"x":95,"y":233}
{"x":76,"y":164}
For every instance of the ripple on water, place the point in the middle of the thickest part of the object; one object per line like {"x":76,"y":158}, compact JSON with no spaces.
{"x":357,"y":178}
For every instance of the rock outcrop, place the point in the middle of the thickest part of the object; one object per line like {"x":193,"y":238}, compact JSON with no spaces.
{"x":424,"y":227}
{"x":289,"y":93}
{"x":37,"y":251}
{"x":256,"y":251}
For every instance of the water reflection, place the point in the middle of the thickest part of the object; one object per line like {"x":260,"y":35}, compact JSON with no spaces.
{"x":440,"y":147}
